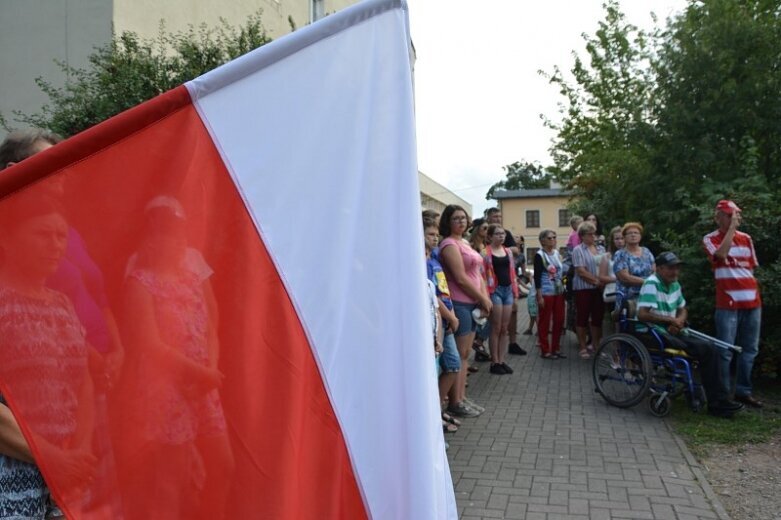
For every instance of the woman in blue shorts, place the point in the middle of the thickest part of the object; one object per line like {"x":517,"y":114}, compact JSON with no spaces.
{"x":499,"y":269}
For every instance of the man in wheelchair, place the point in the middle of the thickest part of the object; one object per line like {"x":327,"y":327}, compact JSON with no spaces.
{"x":661,"y":305}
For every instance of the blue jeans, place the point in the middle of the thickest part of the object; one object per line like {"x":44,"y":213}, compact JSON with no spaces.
{"x":739,"y":327}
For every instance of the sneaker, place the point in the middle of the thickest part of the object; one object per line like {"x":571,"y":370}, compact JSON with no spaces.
{"x":473,"y":405}
{"x":498,"y":369}
{"x":507,"y":368}
{"x":516,"y":349}
{"x":462,"y":410}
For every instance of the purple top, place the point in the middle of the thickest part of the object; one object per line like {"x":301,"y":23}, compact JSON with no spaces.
{"x":80,"y":279}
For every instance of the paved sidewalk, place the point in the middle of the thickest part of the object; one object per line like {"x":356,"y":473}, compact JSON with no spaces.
{"x":548,"y":447}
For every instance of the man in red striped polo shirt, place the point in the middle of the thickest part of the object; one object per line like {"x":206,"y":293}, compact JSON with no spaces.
{"x":738,"y":304}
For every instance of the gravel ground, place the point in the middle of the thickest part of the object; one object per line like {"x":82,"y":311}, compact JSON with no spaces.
{"x":747,"y":478}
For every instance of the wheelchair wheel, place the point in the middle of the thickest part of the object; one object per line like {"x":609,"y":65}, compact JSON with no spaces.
{"x":622,"y":370}
{"x":660,"y":406}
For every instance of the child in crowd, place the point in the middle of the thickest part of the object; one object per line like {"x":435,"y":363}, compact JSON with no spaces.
{"x":531,"y":303}
{"x":449,"y":359}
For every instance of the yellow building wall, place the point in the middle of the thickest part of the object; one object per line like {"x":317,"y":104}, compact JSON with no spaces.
{"x":514,"y":218}
{"x":143,"y":16}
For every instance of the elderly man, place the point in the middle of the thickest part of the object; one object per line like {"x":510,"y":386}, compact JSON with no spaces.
{"x":738,"y":304}
{"x":661,"y":304}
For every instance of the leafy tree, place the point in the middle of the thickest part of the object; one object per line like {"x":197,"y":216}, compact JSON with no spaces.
{"x":605,"y":123}
{"x":521,"y":175}
{"x":129,"y":70}
{"x":658,"y":127}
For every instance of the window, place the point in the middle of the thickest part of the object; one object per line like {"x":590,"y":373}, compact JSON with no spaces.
{"x":533,"y":218}
{"x":564,"y":216}
{"x":317,"y":8}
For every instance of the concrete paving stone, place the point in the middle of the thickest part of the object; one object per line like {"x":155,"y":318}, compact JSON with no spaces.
{"x":498,"y":501}
{"x":639,"y":503}
{"x":516,"y":499}
{"x":540,"y":489}
{"x":515,"y":511}
{"x":482,"y":513}
{"x":631,"y":514}
{"x":663,"y":512}
{"x":578,"y":506}
{"x":558,"y":498}
{"x":547,"y":508}
{"x":694,"y":511}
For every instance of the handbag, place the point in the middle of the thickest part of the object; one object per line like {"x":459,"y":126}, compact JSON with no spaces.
{"x":609,"y":292}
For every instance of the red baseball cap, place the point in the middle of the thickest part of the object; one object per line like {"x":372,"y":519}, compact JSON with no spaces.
{"x":727,"y":207}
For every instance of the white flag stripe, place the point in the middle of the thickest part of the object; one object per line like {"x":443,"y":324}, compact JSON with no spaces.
{"x":745,"y":295}
{"x":322,"y":147}
{"x":732,"y":272}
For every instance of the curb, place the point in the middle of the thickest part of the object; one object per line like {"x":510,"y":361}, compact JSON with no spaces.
{"x":699,"y":474}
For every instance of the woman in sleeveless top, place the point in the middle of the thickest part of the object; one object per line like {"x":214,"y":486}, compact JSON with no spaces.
{"x":499,"y":268}
{"x":463,"y":270}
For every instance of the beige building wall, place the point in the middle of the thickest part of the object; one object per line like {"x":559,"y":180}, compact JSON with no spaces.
{"x":435,"y":196}
{"x":36,"y":33}
{"x":143,"y":16}
{"x":514,"y":218}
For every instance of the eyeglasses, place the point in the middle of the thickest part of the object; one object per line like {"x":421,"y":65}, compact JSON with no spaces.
{"x":458,"y":219}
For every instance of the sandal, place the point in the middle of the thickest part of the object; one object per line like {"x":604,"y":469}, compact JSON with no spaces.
{"x":584,"y":354}
{"x":449,"y":418}
{"x":547,"y":356}
{"x":449,"y":428}
{"x":480,"y":349}
{"x":473,"y":368}
{"x":559,"y":355}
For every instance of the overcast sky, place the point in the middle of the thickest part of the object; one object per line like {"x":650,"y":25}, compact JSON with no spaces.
{"x":478,"y":94}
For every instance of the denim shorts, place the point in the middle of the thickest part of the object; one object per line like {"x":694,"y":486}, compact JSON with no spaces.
{"x":466,"y":323}
{"x":503,"y":295}
{"x":449,"y":359}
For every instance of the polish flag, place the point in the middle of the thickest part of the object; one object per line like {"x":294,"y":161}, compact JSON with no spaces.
{"x":258,"y":240}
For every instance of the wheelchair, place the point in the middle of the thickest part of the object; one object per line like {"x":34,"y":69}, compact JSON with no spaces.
{"x":626,"y":369}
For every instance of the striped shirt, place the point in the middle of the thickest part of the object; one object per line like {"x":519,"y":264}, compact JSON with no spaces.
{"x":662,"y":299}
{"x":736,"y":287}
{"x":582,"y":257}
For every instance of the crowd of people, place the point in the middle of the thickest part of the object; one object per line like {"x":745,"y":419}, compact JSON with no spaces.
{"x":56,"y":326}
{"x":478,"y":274}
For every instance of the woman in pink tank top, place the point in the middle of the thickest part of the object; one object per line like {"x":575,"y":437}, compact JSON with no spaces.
{"x":463,"y":270}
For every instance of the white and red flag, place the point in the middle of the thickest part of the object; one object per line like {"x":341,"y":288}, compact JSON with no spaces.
{"x":256,"y":234}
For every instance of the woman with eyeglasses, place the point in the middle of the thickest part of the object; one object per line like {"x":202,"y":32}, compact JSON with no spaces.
{"x":548,"y":267}
{"x":463,"y":268}
{"x":632,"y":264}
